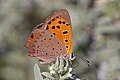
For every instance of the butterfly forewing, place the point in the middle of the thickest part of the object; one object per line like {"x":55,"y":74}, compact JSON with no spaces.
{"x":62,"y":13}
{"x":60,"y":25}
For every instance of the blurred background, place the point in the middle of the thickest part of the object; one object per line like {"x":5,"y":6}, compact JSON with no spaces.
{"x":96,"y":35}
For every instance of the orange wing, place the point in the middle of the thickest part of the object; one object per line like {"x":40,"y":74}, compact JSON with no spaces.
{"x":60,"y":25}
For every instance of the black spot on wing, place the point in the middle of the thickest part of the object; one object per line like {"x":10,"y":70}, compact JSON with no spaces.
{"x":63,"y":22}
{"x":51,"y":35}
{"x":66,"y":40}
{"x":53,"y":19}
{"x":65,"y":32}
{"x":38,"y":26}
{"x":66,"y":46}
{"x":44,"y":38}
{"x":49,"y":22}
{"x":49,"y":38}
{"x":67,"y":24}
{"x":31,"y":35}
{"x":38,"y":46}
{"x":47,"y":27}
{"x":59,"y":22}
{"x":57,"y":16}
{"x":53,"y":27}
{"x":54,"y":33}
{"x":53,"y":48}
{"x":58,"y":27}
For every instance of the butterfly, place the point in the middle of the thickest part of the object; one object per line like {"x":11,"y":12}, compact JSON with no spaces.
{"x":52,"y":38}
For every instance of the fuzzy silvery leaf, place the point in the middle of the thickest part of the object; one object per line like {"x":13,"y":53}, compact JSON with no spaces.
{"x":66,"y":66}
{"x":56,"y":64}
{"x":37,"y":72}
{"x":61,"y":66}
{"x":47,"y":79}
{"x":48,"y":75}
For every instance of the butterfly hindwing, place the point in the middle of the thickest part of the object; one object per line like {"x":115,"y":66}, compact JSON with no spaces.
{"x":45,"y":46}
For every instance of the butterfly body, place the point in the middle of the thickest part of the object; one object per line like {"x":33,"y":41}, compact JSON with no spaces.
{"x":52,"y":38}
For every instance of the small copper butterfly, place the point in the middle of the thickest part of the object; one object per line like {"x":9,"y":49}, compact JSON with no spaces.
{"x":52,"y":38}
